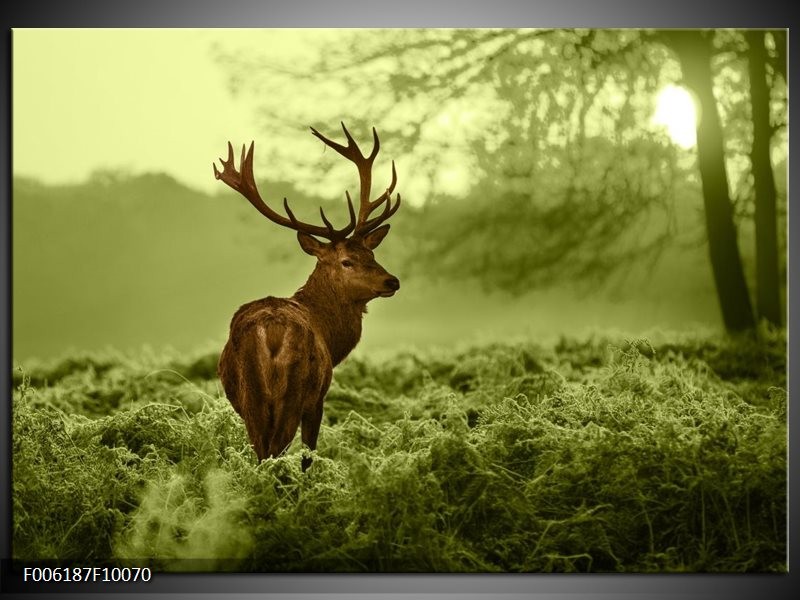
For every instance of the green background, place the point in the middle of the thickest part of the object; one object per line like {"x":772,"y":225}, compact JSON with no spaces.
{"x":122,"y":237}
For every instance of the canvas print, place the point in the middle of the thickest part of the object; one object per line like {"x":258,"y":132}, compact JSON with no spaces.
{"x":400,"y":300}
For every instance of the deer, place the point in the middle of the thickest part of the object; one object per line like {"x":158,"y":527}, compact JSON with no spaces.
{"x":277,"y":364}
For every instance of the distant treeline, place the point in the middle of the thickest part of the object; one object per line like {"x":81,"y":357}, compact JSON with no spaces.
{"x":126,"y":261}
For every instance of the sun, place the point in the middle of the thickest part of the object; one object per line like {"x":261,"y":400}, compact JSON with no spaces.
{"x":676,"y":111}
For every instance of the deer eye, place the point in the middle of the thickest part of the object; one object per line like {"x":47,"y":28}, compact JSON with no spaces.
{"x":347,"y":263}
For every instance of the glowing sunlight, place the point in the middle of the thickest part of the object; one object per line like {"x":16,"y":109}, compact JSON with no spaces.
{"x":675,"y":110}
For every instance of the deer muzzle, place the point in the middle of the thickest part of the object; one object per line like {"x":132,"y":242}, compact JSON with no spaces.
{"x":391,"y":284}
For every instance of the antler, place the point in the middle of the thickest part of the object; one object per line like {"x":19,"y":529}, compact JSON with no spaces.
{"x":244,"y":182}
{"x":364,"y":164}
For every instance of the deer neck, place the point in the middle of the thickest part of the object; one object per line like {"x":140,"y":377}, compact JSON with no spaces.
{"x":337,"y":320}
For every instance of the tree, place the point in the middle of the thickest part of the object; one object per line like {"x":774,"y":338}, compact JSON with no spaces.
{"x":693,"y":48}
{"x":562,"y":164}
{"x":767,"y":283}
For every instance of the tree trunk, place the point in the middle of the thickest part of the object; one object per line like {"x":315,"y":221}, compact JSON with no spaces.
{"x":768,"y":302}
{"x":694,"y":53}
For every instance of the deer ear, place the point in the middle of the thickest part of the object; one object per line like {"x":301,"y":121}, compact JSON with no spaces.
{"x":309,"y":244}
{"x":373,"y":238}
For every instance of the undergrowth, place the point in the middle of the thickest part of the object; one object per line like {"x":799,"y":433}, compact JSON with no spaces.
{"x":600,"y":454}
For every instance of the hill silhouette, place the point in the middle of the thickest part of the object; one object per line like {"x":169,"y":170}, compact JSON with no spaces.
{"x":126,"y":261}
{"x":131,"y":260}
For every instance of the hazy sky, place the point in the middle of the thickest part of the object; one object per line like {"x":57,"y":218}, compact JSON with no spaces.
{"x":155,"y":100}
{"x":136,"y":99}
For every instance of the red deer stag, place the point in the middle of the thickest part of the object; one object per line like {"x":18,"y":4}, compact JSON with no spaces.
{"x":277,"y":364}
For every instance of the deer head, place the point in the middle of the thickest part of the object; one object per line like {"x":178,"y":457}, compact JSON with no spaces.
{"x":345,"y":263}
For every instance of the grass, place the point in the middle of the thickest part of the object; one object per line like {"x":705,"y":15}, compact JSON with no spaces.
{"x":600,"y":454}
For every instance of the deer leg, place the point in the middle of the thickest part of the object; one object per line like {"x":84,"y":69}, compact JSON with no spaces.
{"x":229,"y":376}
{"x":311,"y":423}
{"x":286,"y":419}
{"x":259,"y":424}
{"x":265,"y":398}
{"x":282,"y":438}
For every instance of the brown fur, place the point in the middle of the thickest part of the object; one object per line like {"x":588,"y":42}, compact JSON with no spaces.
{"x":277,"y":364}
